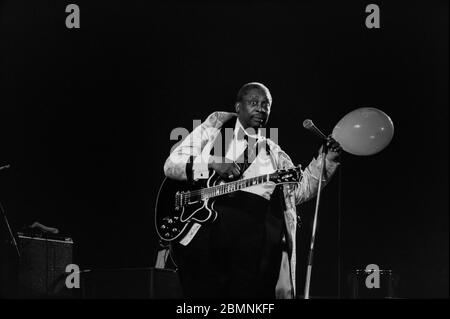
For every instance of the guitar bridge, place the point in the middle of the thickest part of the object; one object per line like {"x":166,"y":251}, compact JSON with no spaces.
{"x":178,"y":201}
{"x":183,"y":199}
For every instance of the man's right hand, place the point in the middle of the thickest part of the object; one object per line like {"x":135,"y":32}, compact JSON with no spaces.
{"x":225,"y":170}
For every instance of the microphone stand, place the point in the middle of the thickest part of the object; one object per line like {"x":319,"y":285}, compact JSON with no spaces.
{"x":313,"y":235}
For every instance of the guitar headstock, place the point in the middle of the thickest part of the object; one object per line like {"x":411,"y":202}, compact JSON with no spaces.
{"x":290,"y":175}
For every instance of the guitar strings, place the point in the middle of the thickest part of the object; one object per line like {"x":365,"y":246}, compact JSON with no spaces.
{"x":198,"y":192}
{"x":284,"y":183}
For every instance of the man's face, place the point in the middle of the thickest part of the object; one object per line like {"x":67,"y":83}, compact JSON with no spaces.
{"x":254,"y":109}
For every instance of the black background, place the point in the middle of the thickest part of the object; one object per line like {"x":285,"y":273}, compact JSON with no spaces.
{"x":86,"y":116}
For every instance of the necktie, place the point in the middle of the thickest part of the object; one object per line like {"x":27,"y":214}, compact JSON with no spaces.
{"x":248,"y":150}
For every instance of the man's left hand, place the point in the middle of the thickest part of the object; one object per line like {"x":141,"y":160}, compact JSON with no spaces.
{"x":334,"y":149}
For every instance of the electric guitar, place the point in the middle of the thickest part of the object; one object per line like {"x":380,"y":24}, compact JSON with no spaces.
{"x":180,"y":204}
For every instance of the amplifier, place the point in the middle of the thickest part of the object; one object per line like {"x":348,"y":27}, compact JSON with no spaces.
{"x":386,"y":287}
{"x":42,"y":266}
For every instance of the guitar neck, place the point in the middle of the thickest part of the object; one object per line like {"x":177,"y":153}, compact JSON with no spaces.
{"x":230,"y":187}
{"x":291,"y":175}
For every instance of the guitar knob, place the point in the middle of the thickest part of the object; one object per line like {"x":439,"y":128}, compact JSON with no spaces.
{"x":176,"y":218}
{"x":174,"y":230}
{"x":167,"y":235}
{"x":163,"y":227}
{"x":170,"y":221}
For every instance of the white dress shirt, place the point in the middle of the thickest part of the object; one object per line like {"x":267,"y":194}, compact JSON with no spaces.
{"x":261,"y":165}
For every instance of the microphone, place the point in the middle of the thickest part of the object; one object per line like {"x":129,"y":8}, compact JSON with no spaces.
{"x":4,"y":167}
{"x":309,"y":125}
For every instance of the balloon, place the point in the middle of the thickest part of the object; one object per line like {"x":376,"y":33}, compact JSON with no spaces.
{"x":364,"y":131}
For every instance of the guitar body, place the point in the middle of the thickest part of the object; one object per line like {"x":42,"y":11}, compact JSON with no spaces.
{"x":179,"y":204}
{"x":173,"y":223}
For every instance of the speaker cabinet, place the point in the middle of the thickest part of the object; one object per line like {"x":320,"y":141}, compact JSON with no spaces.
{"x":365,"y":287}
{"x":42,"y":267}
{"x":130,"y":283}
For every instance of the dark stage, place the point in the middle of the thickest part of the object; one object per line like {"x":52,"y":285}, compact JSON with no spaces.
{"x":86,"y":116}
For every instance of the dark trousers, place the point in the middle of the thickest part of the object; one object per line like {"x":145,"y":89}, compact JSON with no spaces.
{"x":236,"y":256}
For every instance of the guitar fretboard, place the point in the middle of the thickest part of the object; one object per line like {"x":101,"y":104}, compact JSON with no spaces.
{"x":226,"y":188}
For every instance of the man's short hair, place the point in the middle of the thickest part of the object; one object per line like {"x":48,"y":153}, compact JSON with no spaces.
{"x":250,"y":86}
